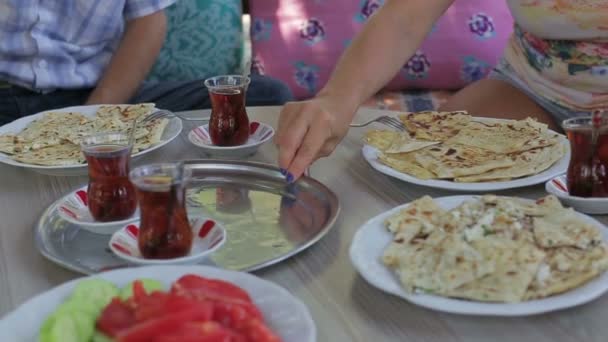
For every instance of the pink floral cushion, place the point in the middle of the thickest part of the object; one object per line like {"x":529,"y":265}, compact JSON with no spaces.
{"x":300,"y":41}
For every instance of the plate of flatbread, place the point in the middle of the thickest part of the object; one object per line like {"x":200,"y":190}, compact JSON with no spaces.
{"x":455,"y":151}
{"x":49,"y":142}
{"x":485,"y":255}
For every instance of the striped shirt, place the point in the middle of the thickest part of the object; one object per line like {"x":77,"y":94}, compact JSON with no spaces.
{"x":63,"y":44}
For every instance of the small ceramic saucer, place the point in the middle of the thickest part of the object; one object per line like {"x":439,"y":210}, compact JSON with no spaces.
{"x":593,"y":205}
{"x":259,"y":133}
{"x":208,"y":236}
{"x":74,"y":208}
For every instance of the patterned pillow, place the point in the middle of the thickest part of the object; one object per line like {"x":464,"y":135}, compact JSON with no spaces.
{"x":204,"y":39}
{"x":299,"y":42}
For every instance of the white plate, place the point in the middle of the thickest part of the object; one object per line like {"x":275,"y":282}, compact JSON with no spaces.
{"x":260,"y":133}
{"x":594,"y":205}
{"x":208,"y":237}
{"x":372,"y":238}
{"x":172,"y":130}
{"x":370,"y":154}
{"x":285,"y":314}
{"x":74,"y":208}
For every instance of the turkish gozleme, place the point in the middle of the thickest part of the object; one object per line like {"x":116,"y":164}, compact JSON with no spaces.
{"x":455,"y":146}
{"x":494,"y":249}
{"x":54,"y":139}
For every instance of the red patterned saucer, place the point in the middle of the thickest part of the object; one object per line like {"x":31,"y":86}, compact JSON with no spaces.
{"x":74,"y":209}
{"x":209,"y":236}
{"x":259,"y":133}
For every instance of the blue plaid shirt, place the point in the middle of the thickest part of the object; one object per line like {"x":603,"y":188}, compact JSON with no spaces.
{"x":63,"y":44}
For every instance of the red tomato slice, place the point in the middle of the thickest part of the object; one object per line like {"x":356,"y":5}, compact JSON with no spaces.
{"x":201,"y":332}
{"x":152,"y":328}
{"x":115,"y":318}
{"x":218,"y":288}
{"x":230,"y":315}
{"x":214,"y":297}
{"x":151,"y":306}
{"x":139,"y":292}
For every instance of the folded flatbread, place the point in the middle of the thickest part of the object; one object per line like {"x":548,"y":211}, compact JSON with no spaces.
{"x":450,"y":161}
{"x":526,"y":163}
{"x":435,"y":126}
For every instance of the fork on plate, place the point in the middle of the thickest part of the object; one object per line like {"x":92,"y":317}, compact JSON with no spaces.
{"x":385,"y":120}
{"x":162,"y":113}
{"x":159,"y":114}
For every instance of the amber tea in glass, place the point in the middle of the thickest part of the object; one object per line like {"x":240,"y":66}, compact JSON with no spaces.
{"x":111,"y":196}
{"x":588,"y":169}
{"x":229,"y":123}
{"x":164,"y":230}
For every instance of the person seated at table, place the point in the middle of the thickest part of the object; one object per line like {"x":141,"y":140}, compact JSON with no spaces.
{"x":56,"y":54}
{"x":554,"y":67}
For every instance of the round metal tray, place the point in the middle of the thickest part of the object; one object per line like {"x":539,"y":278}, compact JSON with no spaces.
{"x":267,"y":220}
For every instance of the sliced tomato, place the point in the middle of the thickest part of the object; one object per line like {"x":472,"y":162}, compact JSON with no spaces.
{"x":201,"y":332}
{"x":139,"y":292}
{"x":212,"y":287}
{"x":180,"y":303}
{"x":231,"y":315}
{"x":115,"y":318}
{"x":152,"y":328}
{"x":151,"y":306}
{"x":257,"y":331}
{"x":215,"y":298}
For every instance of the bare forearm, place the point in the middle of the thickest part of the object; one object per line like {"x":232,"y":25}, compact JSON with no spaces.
{"x":388,"y":40}
{"x":132,"y":60}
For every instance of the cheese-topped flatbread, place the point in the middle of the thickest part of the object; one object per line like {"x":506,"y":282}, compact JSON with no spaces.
{"x":514,"y":263}
{"x":12,"y":144}
{"x":564,"y":228}
{"x":55,"y":138}
{"x":494,"y":249}
{"x":125,"y":113}
{"x":566,"y":268}
{"x":58,"y":155}
{"x":421,"y":217}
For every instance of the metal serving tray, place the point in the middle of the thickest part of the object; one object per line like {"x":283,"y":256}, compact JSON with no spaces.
{"x":267,"y":220}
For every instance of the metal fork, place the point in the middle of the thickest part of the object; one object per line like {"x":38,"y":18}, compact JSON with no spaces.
{"x":162,"y":113}
{"x":386,"y":120}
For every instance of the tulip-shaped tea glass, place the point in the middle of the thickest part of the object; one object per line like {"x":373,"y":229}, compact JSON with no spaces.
{"x":588,"y":169}
{"x":110,"y":194}
{"x":229,"y":123}
{"x":164,"y":230}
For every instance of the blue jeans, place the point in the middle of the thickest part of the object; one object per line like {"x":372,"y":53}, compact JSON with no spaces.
{"x":175,"y":96}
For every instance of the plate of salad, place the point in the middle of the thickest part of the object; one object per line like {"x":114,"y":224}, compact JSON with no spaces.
{"x":162,"y":304}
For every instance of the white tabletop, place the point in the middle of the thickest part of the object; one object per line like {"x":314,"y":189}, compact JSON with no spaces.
{"x":343,"y":305}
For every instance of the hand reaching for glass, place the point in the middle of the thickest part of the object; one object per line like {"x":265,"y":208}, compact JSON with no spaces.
{"x":307,"y":131}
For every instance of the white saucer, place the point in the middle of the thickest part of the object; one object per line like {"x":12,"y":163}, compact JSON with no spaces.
{"x":74,"y":208}
{"x":259,"y":133}
{"x":208,"y":236}
{"x":593,"y":205}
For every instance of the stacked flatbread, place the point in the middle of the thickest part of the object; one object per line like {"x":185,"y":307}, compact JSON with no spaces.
{"x":452,"y":146}
{"x":54,"y":139}
{"x":494,"y":249}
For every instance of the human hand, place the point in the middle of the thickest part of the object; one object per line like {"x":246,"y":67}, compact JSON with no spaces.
{"x":309,"y":130}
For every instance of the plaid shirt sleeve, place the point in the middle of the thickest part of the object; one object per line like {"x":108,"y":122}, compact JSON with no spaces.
{"x":139,"y":8}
